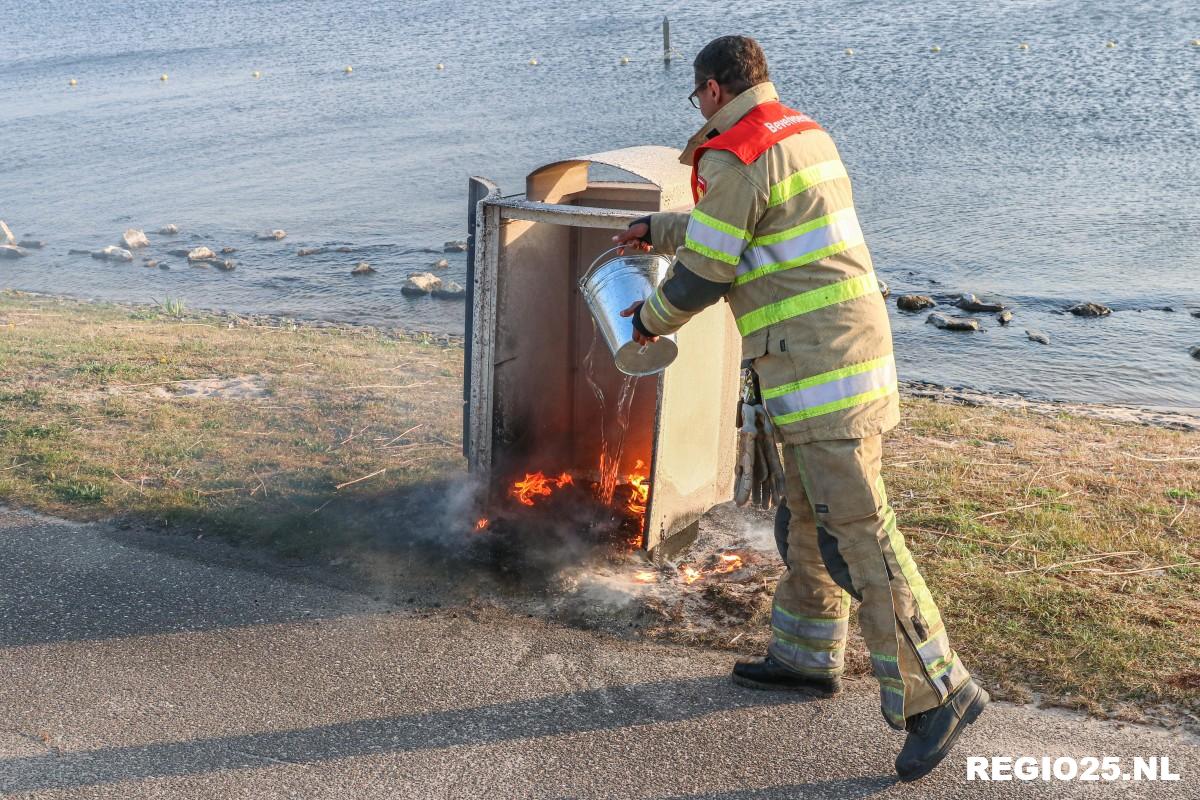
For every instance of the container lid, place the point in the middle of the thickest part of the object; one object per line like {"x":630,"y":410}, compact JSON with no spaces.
{"x":653,"y":163}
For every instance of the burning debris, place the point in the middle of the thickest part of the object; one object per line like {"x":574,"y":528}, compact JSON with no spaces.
{"x":608,"y":498}
{"x":723,"y":565}
{"x":717,"y":564}
{"x":537,"y":484}
{"x":639,"y":493}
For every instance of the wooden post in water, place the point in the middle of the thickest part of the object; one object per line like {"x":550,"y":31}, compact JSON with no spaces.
{"x":666,"y":40}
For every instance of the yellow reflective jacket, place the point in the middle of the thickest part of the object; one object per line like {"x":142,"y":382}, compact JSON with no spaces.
{"x":781,"y":232}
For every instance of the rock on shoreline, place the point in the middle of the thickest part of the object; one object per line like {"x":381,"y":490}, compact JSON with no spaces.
{"x":914,"y":302}
{"x":949,"y":323}
{"x":969,"y":302}
{"x":133,"y":238}
{"x":451,"y":291}
{"x":1089,"y":310}
{"x":200,"y":254}
{"x":113,"y":253}
{"x":421,"y":283}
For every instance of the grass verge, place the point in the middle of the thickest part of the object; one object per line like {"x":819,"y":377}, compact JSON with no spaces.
{"x":1063,"y":551}
{"x":246,"y":431}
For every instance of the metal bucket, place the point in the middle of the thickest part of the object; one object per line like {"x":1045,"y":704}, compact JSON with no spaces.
{"x":610,"y":289}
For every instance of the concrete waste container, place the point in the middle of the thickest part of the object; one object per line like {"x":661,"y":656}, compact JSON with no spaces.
{"x":530,"y":400}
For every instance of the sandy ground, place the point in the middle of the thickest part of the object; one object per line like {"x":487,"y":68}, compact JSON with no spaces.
{"x":1178,"y":419}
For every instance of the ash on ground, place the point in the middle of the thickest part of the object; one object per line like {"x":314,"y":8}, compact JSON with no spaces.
{"x":716,"y":593}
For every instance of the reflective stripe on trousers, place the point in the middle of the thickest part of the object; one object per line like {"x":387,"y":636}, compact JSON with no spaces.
{"x":911,"y":656}
{"x":810,"y":645}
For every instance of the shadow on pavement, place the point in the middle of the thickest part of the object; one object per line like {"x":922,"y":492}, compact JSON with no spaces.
{"x":600,"y":709}
{"x":61,"y":582}
{"x":841,"y":788}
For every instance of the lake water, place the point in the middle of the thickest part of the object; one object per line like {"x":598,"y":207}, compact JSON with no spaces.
{"x":1061,"y":173}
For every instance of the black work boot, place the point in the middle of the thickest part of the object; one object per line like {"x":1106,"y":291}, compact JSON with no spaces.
{"x":767,"y":673}
{"x":932,"y":733}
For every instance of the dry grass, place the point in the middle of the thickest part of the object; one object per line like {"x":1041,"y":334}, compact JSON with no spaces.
{"x":1061,"y":550}
{"x":94,"y":422}
{"x":1065,"y":552}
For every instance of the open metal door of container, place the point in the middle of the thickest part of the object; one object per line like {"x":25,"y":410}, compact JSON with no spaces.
{"x":696,"y":440}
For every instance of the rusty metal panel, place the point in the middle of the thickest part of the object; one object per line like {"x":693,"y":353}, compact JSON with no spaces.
{"x":483,"y":338}
{"x":478,"y":189}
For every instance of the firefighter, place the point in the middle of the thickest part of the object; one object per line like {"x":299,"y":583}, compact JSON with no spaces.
{"x":775,"y":234}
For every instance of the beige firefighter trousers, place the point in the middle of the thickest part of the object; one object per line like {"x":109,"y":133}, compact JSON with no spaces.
{"x":841,"y":541}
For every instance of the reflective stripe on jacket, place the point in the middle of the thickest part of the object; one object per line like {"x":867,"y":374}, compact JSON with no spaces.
{"x":778,"y":226}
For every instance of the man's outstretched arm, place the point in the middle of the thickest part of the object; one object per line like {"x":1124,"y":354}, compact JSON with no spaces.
{"x":717,"y":232}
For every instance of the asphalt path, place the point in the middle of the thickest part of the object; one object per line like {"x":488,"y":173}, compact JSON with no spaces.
{"x":134,"y":666}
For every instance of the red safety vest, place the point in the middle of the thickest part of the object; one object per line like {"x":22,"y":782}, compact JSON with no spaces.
{"x":764,"y":126}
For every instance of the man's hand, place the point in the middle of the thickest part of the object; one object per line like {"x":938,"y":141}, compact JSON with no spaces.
{"x":637,"y":335}
{"x":633,"y":237}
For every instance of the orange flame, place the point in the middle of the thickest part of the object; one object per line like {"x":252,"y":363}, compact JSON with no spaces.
{"x":726,"y":563}
{"x":482,"y":524}
{"x":645,"y":576}
{"x":536,"y":484}
{"x":730,"y":562}
{"x":639,"y":493}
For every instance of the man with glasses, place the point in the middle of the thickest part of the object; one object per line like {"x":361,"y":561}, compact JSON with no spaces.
{"x":775,"y":234}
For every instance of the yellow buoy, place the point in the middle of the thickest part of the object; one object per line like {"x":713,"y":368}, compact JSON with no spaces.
{"x":1022,"y":46}
{"x":348,"y":69}
{"x":441,"y":66}
{"x":935,"y":49}
{"x":1196,"y":42}
{"x":624,"y":60}
{"x":72,"y":82}
{"x":849,"y":51}
{"x":1110,"y":44}
{"x":533,"y":62}
{"x":162,"y":77}
{"x":256,"y":74}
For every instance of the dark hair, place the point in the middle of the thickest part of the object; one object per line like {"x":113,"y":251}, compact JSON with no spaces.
{"x":735,"y":62}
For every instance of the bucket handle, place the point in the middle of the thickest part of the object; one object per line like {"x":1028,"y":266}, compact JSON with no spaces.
{"x":588,"y":272}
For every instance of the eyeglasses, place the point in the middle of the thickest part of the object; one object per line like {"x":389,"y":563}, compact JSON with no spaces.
{"x":693,"y":97}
